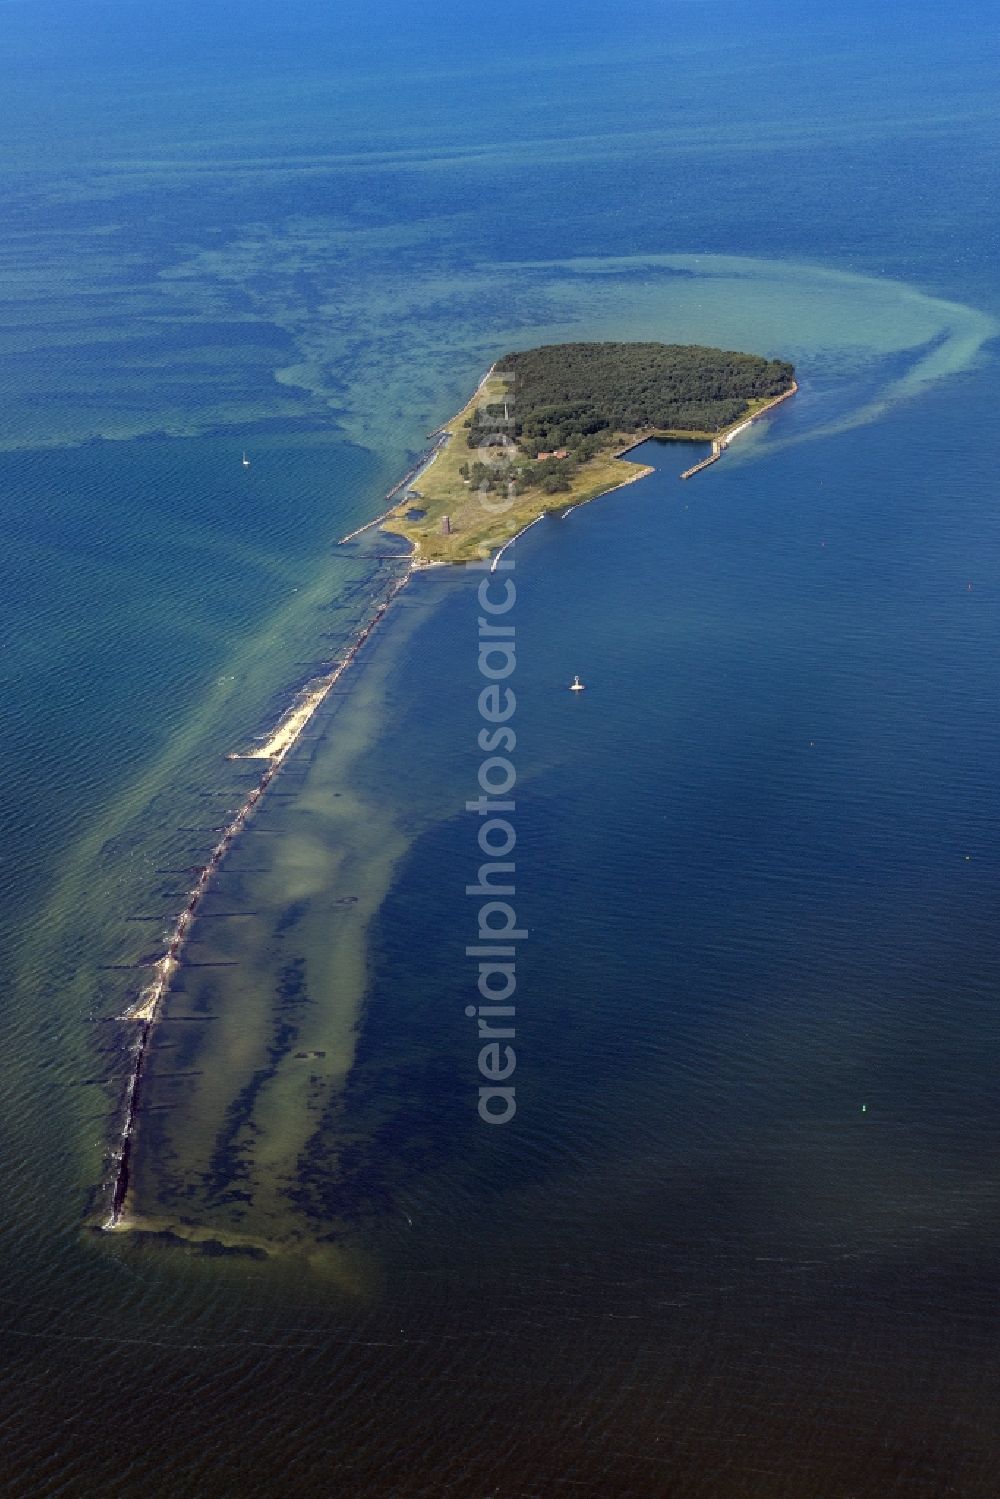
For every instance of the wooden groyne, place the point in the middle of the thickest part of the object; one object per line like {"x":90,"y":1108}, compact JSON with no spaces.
{"x":720,"y":444}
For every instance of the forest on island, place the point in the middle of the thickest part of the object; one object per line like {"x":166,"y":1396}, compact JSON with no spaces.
{"x":576,"y":395}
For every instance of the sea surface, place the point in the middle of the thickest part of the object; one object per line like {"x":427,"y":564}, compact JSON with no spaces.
{"x":739,"y":1240}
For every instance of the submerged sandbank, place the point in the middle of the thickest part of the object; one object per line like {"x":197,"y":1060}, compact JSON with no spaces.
{"x":146,"y":1011}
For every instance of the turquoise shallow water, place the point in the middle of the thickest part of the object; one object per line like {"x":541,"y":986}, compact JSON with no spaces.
{"x":740,"y":1238}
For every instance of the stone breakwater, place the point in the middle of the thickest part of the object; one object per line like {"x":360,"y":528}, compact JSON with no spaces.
{"x":721,"y":443}
{"x":440,"y":438}
{"x":144,"y":1014}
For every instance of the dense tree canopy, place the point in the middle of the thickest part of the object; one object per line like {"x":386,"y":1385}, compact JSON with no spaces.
{"x":572,"y":395}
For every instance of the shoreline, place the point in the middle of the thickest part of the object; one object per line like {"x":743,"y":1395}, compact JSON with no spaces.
{"x":445,"y":427}
{"x":721,"y":443}
{"x":444,"y":436}
{"x":445,"y":536}
{"x":145,"y":1013}
{"x":496,"y":560}
{"x":644,"y":471}
{"x":441,"y":438}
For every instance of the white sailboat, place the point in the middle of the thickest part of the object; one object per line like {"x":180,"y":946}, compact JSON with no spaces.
{"x":576,"y":685}
{"x":246,"y":461}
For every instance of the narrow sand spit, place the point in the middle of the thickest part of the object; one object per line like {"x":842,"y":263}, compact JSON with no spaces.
{"x":277,"y":745}
{"x":145,"y":1012}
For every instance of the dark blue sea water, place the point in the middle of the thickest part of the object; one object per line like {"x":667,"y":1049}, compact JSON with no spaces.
{"x":739,"y":1240}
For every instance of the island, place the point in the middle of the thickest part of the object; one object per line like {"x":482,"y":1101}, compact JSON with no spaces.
{"x":549,"y":428}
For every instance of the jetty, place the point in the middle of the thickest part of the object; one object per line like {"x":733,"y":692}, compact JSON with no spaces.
{"x":721,"y":443}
